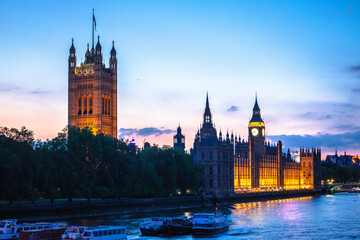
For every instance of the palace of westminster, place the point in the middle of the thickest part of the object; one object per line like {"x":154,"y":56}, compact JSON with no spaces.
{"x":230,"y":164}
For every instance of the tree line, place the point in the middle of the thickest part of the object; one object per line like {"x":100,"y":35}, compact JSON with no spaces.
{"x":339,"y":174}
{"x":79,"y":164}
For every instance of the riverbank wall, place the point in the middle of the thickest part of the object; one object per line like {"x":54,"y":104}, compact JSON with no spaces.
{"x":53,"y":211}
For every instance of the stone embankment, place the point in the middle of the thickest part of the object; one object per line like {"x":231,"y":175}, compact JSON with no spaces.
{"x":52,"y":211}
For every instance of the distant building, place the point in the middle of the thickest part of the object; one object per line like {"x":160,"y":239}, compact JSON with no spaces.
{"x":146,"y":145}
{"x":343,"y":160}
{"x":92,"y":91}
{"x":179,"y":140}
{"x":233,"y":164}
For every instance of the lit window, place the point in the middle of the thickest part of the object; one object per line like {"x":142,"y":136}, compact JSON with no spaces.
{"x":103,"y":105}
{"x":109,"y":106}
{"x":72,"y":64}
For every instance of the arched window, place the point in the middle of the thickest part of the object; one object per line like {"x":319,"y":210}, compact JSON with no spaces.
{"x":90,"y":105}
{"x":103,"y":105}
{"x":106,"y":106}
{"x":79,"y":105}
{"x":85,"y":105}
{"x":109,"y":105}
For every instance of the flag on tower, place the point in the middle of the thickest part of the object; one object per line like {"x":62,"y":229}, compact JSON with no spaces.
{"x":94,"y":20}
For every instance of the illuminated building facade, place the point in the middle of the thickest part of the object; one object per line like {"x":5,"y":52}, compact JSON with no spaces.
{"x":235,"y":164}
{"x":92,"y":99}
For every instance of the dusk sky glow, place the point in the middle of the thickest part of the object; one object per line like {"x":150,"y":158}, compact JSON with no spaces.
{"x":301,"y":57}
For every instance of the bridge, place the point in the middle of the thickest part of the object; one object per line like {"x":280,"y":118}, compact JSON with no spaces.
{"x":353,"y":187}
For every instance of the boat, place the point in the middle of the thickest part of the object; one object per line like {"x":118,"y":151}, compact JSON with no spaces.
{"x":157,"y":226}
{"x":39,"y":231}
{"x":209,"y":223}
{"x":10,"y":229}
{"x":180,"y":226}
{"x":74,"y":232}
{"x":105,"y":233}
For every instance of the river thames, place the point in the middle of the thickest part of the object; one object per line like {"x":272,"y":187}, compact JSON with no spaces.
{"x":328,"y":217}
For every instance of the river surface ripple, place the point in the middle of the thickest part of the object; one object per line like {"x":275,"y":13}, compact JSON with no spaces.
{"x":326,"y":217}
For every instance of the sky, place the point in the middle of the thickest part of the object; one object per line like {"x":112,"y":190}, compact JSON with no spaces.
{"x":302,"y":58}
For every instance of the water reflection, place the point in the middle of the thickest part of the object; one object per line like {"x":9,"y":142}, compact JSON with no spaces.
{"x":325,"y":217}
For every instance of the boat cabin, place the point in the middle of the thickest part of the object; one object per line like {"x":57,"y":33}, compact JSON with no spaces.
{"x":8,"y":226}
{"x":105,"y":232}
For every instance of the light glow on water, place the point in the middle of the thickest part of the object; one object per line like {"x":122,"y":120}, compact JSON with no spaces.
{"x":325,"y":217}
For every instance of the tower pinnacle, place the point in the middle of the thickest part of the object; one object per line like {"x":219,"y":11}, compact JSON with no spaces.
{"x":207,"y":113}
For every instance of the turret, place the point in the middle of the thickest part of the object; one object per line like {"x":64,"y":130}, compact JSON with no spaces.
{"x":207,"y":113}
{"x":87,"y":54}
{"x":179,"y":139}
{"x":113,"y":60}
{"x":72,"y":58}
{"x":98,"y":55}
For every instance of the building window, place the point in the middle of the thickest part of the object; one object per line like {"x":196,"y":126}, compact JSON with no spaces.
{"x":72,"y":64}
{"x":103,"y":105}
{"x":85,"y":106}
{"x":72,"y":55}
{"x":90,"y":105}
{"x":207,"y":119}
{"x":79,"y":112}
{"x":98,"y":52}
{"x":109,"y":106}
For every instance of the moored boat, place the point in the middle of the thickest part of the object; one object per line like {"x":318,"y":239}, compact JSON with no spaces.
{"x":157,"y":226}
{"x":74,"y":232}
{"x":10,"y":229}
{"x":105,"y":233}
{"x":40,"y":231}
{"x":209,"y":223}
{"x":180,"y":226}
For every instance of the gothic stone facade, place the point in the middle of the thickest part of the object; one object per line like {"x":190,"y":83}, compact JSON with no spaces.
{"x":235,"y":164}
{"x":92,"y":100}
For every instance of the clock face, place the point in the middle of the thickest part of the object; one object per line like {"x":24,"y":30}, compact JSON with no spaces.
{"x":254,"y":131}
{"x":263,"y":132}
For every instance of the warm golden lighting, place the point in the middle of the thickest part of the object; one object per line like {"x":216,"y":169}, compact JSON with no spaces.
{"x":256,"y":124}
{"x":270,"y":177}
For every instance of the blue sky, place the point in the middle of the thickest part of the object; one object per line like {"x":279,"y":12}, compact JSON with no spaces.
{"x":301,"y":57}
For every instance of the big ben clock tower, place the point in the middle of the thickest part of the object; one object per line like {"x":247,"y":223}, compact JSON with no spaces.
{"x":257,"y":130}
{"x":256,"y":144}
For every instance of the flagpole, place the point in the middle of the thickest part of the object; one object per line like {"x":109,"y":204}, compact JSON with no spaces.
{"x":93,"y":30}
